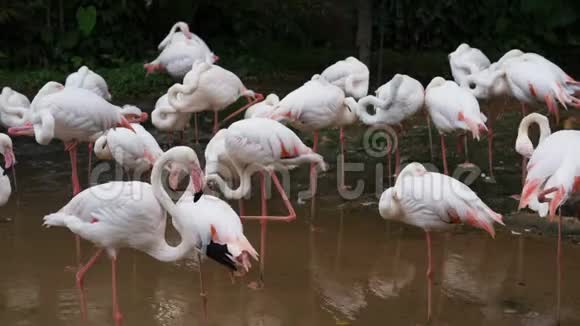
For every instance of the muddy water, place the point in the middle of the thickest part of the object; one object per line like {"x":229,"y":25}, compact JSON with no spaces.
{"x":337,"y":264}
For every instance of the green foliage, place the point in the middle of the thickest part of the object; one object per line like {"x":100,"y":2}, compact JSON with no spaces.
{"x":86,"y":18}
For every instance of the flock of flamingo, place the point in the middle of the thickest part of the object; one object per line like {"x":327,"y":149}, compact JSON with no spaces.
{"x":112,"y":216}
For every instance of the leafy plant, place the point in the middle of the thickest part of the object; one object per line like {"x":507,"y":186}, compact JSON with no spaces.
{"x":86,"y":19}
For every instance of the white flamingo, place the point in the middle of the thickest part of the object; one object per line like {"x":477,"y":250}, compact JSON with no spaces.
{"x":434,"y":202}
{"x":317,"y":105}
{"x":180,"y":33}
{"x":256,"y":145}
{"x":262,"y":109}
{"x":465,"y":61}
{"x":351,"y":75}
{"x":209,"y":87}
{"x":132,"y":214}
{"x":89,"y":80}
{"x":453,"y":108}
{"x":395,"y":101}
{"x":14,"y":108}
{"x":9,"y":161}
{"x":167,"y":119}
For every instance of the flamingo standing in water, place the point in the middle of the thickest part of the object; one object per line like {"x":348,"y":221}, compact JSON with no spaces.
{"x":112,"y":217}
{"x":553,"y":173}
{"x":208,"y":87}
{"x":256,"y":145}
{"x":9,"y":161}
{"x":134,"y":151}
{"x":452,"y":107}
{"x":394,"y":102}
{"x":317,"y":105}
{"x":72,"y":115}
{"x":167,"y":119}
{"x":434,"y":202}
{"x":89,"y":80}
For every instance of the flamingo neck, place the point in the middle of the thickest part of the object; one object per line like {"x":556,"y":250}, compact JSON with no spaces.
{"x":543,"y":124}
{"x":243,"y":188}
{"x":363,"y":114}
{"x":162,"y":251}
{"x":157,"y":184}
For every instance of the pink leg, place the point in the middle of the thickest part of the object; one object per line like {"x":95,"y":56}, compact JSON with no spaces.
{"x":397,"y":154}
{"x":196,"y":134}
{"x":202,"y":292}
{"x":80,"y":280}
{"x":241,"y":209}
{"x":389,"y":167}
{"x":430,"y":136}
{"x":215,"y":122}
{"x":524,"y":110}
{"x":341,"y":137}
{"x":444,"y":155}
{"x":117,"y":316}
{"x":313,"y":174}
{"x":72,"y":150}
{"x":429,"y":274}
{"x":242,"y":109}
{"x":90,"y":159}
{"x":524,"y":169}
{"x":491,"y":119}
{"x":291,"y":212}
{"x":263,"y":224}
{"x":559,"y":269}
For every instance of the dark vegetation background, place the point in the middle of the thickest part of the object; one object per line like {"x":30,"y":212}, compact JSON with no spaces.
{"x":273,"y":40}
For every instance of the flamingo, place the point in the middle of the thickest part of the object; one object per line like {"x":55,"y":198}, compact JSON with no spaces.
{"x":132,"y":214}
{"x":135,"y":151}
{"x":434,"y":202}
{"x":209,"y":87}
{"x":553,"y":173}
{"x":316,"y":105}
{"x":395,"y":101}
{"x":72,"y":115}
{"x":179,"y":50}
{"x":9,"y":161}
{"x":452,"y":107}
{"x":262,"y":109}
{"x":531,"y":79}
{"x":14,"y":108}
{"x":256,"y":145}
{"x":166,"y":118}
{"x":465,"y":61}
{"x":89,"y":80}
{"x":351,"y":75}
{"x":184,"y":35}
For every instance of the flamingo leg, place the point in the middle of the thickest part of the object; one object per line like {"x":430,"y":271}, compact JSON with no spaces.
{"x":490,"y":142}
{"x":202,"y":292}
{"x":431,"y":151}
{"x":117,"y":316}
{"x":524,"y":169}
{"x":559,"y":269}
{"x":80,"y":278}
{"x":72,"y":151}
{"x":291,"y":211}
{"x":241,"y":209}
{"x":429,"y":274}
{"x":313,"y":173}
{"x":90,"y":160}
{"x":263,"y":223}
{"x":341,"y":137}
{"x":195,"y":131}
{"x":389,"y":167}
{"x":397,"y":154}
{"x":170,"y":139}
{"x":14,"y":177}
{"x":524,"y":110}
{"x":444,"y":154}
{"x":215,"y":122}
{"x":242,"y":109}
{"x":182,"y":137}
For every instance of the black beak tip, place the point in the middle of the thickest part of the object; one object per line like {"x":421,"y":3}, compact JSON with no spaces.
{"x":220,"y":254}
{"x":197,"y":196}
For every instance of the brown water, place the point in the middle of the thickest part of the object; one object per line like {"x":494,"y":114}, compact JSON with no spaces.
{"x":339,"y":263}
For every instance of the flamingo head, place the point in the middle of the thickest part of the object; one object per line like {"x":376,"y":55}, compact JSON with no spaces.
{"x":390,"y":206}
{"x":7,"y":151}
{"x":524,"y":147}
{"x":215,"y":58}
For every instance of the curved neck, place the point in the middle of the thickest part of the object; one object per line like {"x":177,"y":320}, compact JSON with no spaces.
{"x":162,"y":251}
{"x":541,"y":121}
{"x":364,"y":115}
{"x":244,"y":187}
{"x":157,"y":184}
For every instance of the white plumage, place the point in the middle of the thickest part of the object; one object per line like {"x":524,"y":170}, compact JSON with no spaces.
{"x":351,"y":75}
{"x":89,"y":80}
{"x":14,"y":108}
{"x":465,"y":61}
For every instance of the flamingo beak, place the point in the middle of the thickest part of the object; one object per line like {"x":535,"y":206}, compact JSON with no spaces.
{"x":26,"y":130}
{"x":215,"y":58}
{"x":9,"y":159}
{"x":144,"y":117}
